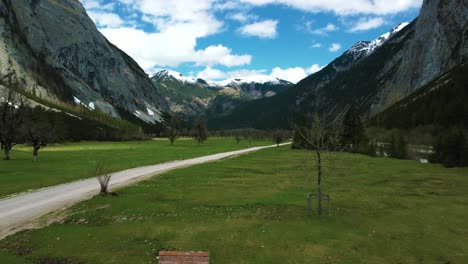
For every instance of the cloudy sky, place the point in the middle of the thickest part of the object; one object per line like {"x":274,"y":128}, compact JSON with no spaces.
{"x":220,"y":39}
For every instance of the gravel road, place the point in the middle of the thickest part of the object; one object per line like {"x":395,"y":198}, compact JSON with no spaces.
{"x":22,"y":211}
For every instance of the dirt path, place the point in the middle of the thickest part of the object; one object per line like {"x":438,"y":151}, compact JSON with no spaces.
{"x":22,"y":211}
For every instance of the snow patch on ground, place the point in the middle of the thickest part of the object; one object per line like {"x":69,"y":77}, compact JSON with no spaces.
{"x":92,"y":106}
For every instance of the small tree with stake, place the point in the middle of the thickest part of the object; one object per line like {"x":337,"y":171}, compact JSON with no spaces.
{"x":319,"y":136}
{"x":320,"y":133}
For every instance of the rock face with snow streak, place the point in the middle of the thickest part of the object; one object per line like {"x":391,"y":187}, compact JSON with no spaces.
{"x":440,"y":42}
{"x":363,"y":49}
{"x":57,"y":53}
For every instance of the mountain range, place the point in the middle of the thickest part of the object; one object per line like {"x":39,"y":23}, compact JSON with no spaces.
{"x":371,"y":76}
{"x":190,"y":96}
{"x":58,"y":57}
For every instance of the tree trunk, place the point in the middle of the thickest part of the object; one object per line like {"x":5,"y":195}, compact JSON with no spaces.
{"x":35,"y":152}
{"x":319,"y":180}
{"x":7,"y":153}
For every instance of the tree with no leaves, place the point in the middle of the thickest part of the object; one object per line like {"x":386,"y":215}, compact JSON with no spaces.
{"x":173,"y":129}
{"x":40,"y":129}
{"x":200,"y":131}
{"x":11,"y":115}
{"x":103,"y":177}
{"x":279,"y":136}
{"x":237,"y":138}
{"x":319,"y":135}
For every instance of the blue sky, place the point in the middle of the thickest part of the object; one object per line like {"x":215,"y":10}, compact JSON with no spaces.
{"x":222,"y":39}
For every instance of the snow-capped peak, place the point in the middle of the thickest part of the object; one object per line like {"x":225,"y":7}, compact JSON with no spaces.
{"x":176,"y":75}
{"x":370,"y":46}
{"x":260,"y":79}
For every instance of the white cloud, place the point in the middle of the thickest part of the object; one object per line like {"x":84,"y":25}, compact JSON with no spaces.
{"x":367,"y":24}
{"x":334,"y":47}
{"x":344,"y":7}
{"x":314,"y":68}
{"x":177,"y":27}
{"x":317,"y":45}
{"x":324,"y":30}
{"x":170,"y":48}
{"x":293,"y":75}
{"x":241,"y":17}
{"x":97,"y":5}
{"x":263,"y":29}
{"x":106,"y":19}
{"x":219,"y":54}
{"x":211,"y":74}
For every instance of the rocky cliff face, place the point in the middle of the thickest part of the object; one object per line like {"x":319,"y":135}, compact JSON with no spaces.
{"x":56,"y":52}
{"x":439,"y":43}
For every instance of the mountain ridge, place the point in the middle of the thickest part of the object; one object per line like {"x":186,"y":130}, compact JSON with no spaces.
{"x":191,"y":97}
{"x":391,"y":72}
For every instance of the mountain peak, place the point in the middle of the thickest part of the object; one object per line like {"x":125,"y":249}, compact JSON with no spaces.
{"x":368,"y":47}
{"x":256,"y":79}
{"x":165,"y":74}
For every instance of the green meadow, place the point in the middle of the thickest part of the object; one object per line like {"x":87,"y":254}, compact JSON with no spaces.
{"x":74,"y":161}
{"x":252,"y":209}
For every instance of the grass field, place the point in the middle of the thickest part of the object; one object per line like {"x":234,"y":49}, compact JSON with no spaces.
{"x":73,"y":161}
{"x":252,"y":209}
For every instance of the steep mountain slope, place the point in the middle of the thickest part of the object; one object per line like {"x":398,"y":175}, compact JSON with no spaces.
{"x":57,"y":54}
{"x":186,"y":96}
{"x":410,"y":58}
{"x":441,"y":102}
{"x":280,"y":111}
{"x":190,"y":96}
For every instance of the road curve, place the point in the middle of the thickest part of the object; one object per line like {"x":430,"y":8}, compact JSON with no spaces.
{"x":17,"y":212}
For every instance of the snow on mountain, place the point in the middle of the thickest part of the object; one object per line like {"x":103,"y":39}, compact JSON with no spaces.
{"x":257,"y":79}
{"x":368,"y":47}
{"x":176,"y":75}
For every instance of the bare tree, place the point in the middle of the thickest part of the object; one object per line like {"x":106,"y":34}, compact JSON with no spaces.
{"x":173,"y":129}
{"x":279,"y":136}
{"x":320,"y":135}
{"x":237,"y":138}
{"x":11,"y":115}
{"x":103,"y":177}
{"x":319,"y":132}
{"x":200,"y":131}
{"x":40,"y":129}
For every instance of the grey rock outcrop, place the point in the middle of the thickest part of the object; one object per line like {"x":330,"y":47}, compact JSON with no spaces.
{"x":439,"y":43}
{"x":57,"y":53}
